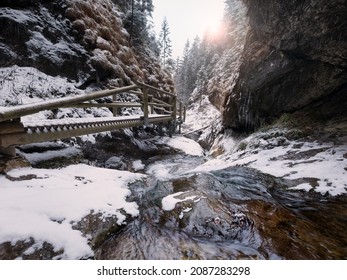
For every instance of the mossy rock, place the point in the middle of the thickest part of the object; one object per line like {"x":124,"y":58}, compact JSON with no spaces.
{"x":242,"y":146}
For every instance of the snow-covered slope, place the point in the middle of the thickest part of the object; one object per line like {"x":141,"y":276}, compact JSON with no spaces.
{"x":309,"y":161}
{"x":310,"y":165}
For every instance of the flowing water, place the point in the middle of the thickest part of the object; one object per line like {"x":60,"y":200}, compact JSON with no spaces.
{"x":235,"y":213}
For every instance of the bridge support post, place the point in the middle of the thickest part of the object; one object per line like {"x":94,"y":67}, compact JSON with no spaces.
{"x":171,"y":127}
{"x":145,"y":106}
{"x":174,"y":112}
{"x":160,"y":126}
{"x":8,"y":151}
{"x":114,"y":109}
{"x":180,"y":117}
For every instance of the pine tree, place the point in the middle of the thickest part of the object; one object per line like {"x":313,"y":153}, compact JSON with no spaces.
{"x":136,"y":21}
{"x":165,"y":44}
{"x":180,"y":73}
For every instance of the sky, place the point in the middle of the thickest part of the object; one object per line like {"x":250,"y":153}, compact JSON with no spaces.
{"x":187,"y":19}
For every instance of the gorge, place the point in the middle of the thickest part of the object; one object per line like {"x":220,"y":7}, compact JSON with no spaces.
{"x":267,"y":105}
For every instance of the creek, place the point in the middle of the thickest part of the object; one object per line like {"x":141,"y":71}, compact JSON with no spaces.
{"x":235,"y":213}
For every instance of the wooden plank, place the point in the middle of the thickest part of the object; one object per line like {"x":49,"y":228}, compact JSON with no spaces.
{"x":7,"y":113}
{"x":162,"y":110}
{"x":130,"y":91}
{"x":126,"y":104}
{"x":114,"y":109}
{"x":160,"y":119}
{"x":11,"y":127}
{"x":162,"y":102}
{"x":8,"y":140}
{"x":139,"y":93}
{"x":145,"y":106}
{"x":155,"y":89}
{"x":174,"y":109}
{"x":180,"y":117}
{"x":25,"y":138}
{"x":108,"y":105}
{"x":180,"y":110}
{"x":157,"y":104}
{"x":8,"y":151}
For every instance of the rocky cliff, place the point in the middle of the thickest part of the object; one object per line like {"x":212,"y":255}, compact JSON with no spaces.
{"x":295,"y":58}
{"x":84,"y":41}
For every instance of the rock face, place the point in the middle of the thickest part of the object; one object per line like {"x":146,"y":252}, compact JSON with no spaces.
{"x":37,"y":34}
{"x":84,"y":41}
{"x":295,"y":57}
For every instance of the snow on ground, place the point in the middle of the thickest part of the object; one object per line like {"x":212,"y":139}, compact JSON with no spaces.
{"x":45,"y":203}
{"x":201,"y":114}
{"x":36,"y":157}
{"x":184,"y":144}
{"x":271,"y":153}
{"x":279,"y":157}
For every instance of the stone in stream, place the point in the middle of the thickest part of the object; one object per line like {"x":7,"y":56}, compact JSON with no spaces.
{"x":116,"y":163}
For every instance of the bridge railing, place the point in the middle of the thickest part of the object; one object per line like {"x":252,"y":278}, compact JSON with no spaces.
{"x":80,"y":101}
{"x":152,"y":101}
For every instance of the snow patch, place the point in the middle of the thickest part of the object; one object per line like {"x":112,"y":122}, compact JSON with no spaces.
{"x":169,"y":202}
{"x":304,"y":186}
{"x":35,"y":158}
{"x":44,"y":203}
{"x":138,"y":165}
{"x":184,"y":144}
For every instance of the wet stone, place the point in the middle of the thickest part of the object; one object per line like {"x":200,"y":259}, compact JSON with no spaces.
{"x":116,"y":163}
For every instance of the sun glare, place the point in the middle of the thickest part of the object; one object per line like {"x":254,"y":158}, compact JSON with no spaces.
{"x":215,"y":32}
{"x":188,"y":19}
{"x":214,"y":28}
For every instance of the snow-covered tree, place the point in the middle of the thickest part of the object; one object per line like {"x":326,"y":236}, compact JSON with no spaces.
{"x":209,"y":65}
{"x":165,"y":45}
{"x":137,"y":19}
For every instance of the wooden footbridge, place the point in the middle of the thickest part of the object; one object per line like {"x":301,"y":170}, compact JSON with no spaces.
{"x":158,"y":107}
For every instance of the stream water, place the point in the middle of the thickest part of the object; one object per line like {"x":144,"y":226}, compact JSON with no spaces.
{"x":235,"y":213}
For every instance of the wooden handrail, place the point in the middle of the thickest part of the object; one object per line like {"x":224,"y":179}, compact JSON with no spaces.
{"x":15,"y":133}
{"x":8,"y":113}
{"x":106,"y":105}
{"x":155,"y":89}
{"x":162,"y":102}
{"x":80,"y":101}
